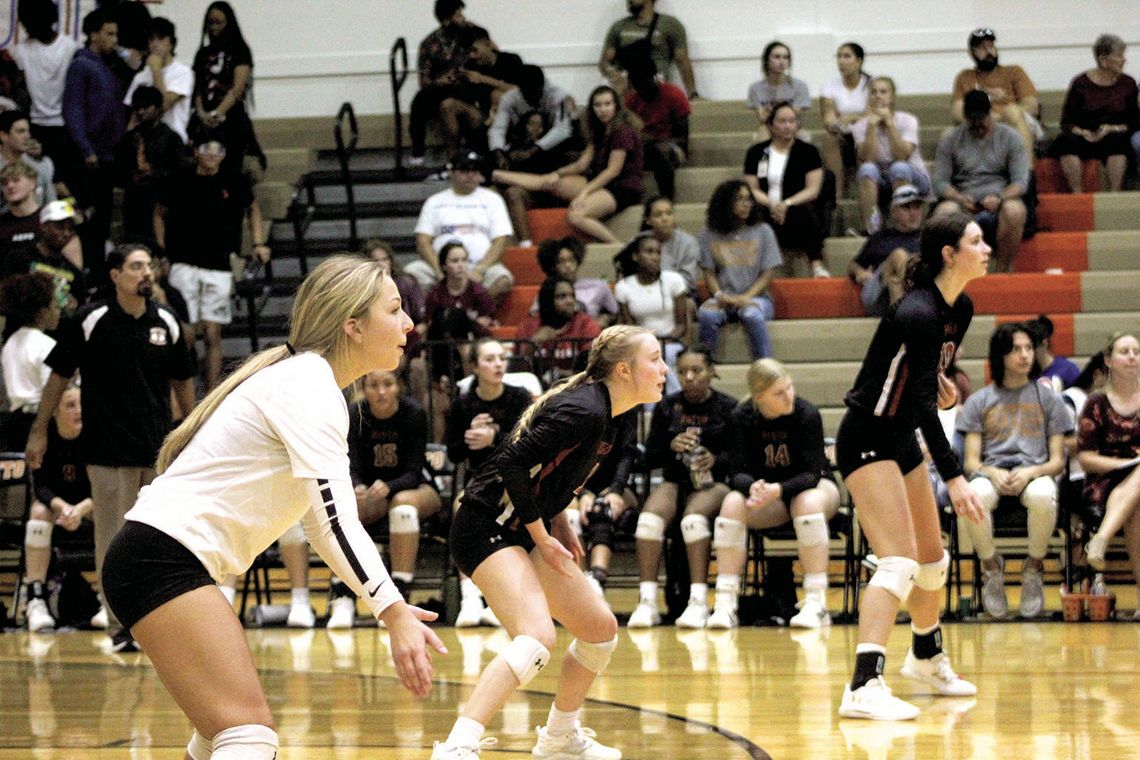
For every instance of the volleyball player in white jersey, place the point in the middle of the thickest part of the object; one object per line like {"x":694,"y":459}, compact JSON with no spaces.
{"x":266,"y":448}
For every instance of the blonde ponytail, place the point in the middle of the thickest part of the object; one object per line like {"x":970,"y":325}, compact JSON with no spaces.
{"x":340,"y":288}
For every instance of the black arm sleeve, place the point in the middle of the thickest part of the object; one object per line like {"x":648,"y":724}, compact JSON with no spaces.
{"x":458,"y":420}
{"x":628,"y":453}
{"x":657,"y":451}
{"x":922,"y":334}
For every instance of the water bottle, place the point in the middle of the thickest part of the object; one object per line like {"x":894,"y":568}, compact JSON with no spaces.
{"x":700,"y":478}
{"x":1098,"y":587}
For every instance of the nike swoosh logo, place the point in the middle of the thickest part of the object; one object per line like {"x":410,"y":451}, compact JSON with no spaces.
{"x":372,"y":594}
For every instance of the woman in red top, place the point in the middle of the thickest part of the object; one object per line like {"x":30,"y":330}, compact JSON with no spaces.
{"x":605,"y":179}
{"x":561,"y":329}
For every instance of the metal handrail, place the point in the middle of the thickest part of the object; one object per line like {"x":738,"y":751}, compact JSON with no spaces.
{"x":398,"y":75}
{"x":344,"y":151}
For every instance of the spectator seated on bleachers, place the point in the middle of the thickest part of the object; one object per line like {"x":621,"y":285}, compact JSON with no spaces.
{"x":777,"y":86}
{"x":63,"y":499}
{"x":680,"y":251}
{"x":785,"y":175}
{"x":31,"y":311}
{"x":1098,"y":117}
{"x":739,"y":256}
{"x":886,"y":141}
{"x":488,"y":73}
{"x":653,"y":298}
{"x":20,"y":227}
{"x":664,"y":112}
{"x":982,"y":168}
{"x":561,"y":329}
{"x":1012,"y":96}
{"x":15,"y":134}
{"x":778,"y":474}
{"x":1014,"y":447}
{"x":562,"y":258}
{"x":1108,"y":439}
{"x":604,"y":180}
{"x":842,"y":102}
{"x":645,"y":33}
{"x":52,"y":249}
{"x":387,"y":444}
{"x":515,"y":140}
{"x":442,"y":94}
{"x":1055,"y":371}
{"x":698,"y":416}
{"x":880,"y":266}
{"x":473,"y":215}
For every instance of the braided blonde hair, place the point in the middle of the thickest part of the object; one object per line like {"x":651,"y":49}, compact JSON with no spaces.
{"x":614,"y":345}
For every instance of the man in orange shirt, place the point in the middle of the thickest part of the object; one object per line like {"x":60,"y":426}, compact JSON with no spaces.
{"x":1012,"y":94}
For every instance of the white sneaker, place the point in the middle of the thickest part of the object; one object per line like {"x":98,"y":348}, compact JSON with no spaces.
{"x":595,"y":586}
{"x":343,"y":613}
{"x":442,"y":751}
{"x":938,"y":675}
{"x":694,"y":616}
{"x":1095,"y":550}
{"x":812,"y":614}
{"x":576,"y":744}
{"x":416,"y":161}
{"x":300,"y":616}
{"x":722,"y":618}
{"x":874,"y":701}
{"x":819,"y":271}
{"x":99,"y":619}
{"x":488,"y":617}
{"x":1032,"y":593}
{"x":470,"y":612}
{"x":39,"y":619}
{"x":645,"y":615}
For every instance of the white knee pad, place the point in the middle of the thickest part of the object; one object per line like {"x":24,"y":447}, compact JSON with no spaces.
{"x":594,"y":657}
{"x":695,"y":528}
{"x":730,"y":534}
{"x":199,"y":748}
{"x":250,"y":742}
{"x":932,"y":575}
{"x":574,"y":517}
{"x":526,"y":655}
{"x":37,"y":534}
{"x":295,"y":535}
{"x":896,"y":575}
{"x":811,"y":530}
{"x":650,"y":527}
{"x":403,"y":519}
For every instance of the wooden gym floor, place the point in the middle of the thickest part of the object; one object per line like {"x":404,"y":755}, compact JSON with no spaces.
{"x":1046,"y":690}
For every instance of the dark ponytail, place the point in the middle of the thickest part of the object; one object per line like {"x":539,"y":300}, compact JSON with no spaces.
{"x":938,"y":232}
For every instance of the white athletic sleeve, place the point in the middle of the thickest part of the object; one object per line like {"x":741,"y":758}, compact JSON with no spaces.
{"x":333,"y":528}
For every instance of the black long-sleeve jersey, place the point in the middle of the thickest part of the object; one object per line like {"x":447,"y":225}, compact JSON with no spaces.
{"x":392,"y":450}
{"x":787,"y":450}
{"x":64,"y":470}
{"x":505,"y":410}
{"x":898,"y":381}
{"x":614,"y":471}
{"x":675,"y":415}
{"x":536,"y":474}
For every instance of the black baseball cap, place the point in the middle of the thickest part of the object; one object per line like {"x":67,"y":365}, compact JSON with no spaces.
{"x":466,"y":161}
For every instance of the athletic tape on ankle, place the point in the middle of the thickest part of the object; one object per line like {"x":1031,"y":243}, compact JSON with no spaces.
{"x":650,"y":527}
{"x":730,"y":534}
{"x":526,"y":656}
{"x":199,"y":748}
{"x":932,"y":575}
{"x":695,"y":528}
{"x":811,"y":530}
{"x":594,"y":657}
{"x":295,"y":535}
{"x":37,"y":534}
{"x":896,"y":575}
{"x":403,"y":519}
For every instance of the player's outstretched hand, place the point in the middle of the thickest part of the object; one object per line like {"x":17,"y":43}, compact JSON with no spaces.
{"x":412,"y":642}
{"x":966,"y":502}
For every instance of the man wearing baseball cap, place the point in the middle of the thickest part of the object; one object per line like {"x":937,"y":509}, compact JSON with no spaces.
{"x":1013,"y":98}
{"x":881,"y":264}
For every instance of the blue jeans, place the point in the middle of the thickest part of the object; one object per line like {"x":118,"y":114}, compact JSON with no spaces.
{"x":898,"y":171}
{"x":754,"y":317}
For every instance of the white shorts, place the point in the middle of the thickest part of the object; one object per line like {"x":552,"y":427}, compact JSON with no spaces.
{"x":207,"y":292}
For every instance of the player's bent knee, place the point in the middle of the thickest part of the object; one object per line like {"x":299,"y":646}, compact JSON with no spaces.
{"x":695,"y":528}
{"x":37,"y":534}
{"x":650,"y":527}
{"x":896,"y":575}
{"x":811,"y":530}
{"x":526,"y":656}
{"x":730,"y":534}
{"x":199,"y":748}
{"x":932,"y":575}
{"x":250,"y":742}
{"x":403,"y":519}
{"x":593,"y":656}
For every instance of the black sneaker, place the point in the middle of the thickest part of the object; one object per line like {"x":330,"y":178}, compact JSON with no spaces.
{"x":122,"y":642}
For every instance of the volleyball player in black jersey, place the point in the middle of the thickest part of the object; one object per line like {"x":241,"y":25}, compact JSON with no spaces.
{"x":511,"y":535}
{"x":900,"y":387}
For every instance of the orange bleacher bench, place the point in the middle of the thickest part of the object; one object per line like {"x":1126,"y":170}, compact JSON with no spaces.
{"x":1050,"y":179}
{"x":548,"y":224}
{"x":516,"y":306}
{"x":1065,"y":212}
{"x":1026,"y":293}
{"x":816,"y":298}
{"x":523,"y":263}
{"x":1068,"y":251}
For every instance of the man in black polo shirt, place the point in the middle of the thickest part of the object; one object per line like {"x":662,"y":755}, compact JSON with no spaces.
{"x":130,"y":353}
{"x":880,"y":267}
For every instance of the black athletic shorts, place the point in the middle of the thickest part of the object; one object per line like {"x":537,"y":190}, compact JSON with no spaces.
{"x":144,"y":569}
{"x":864,"y":438}
{"x":476,"y":535}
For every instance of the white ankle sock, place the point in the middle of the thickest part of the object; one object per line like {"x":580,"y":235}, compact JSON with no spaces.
{"x":558,"y":722}
{"x":727,"y":590}
{"x":647,"y":592}
{"x":300,"y":597}
{"x":699,"y":593}
{"x":465,"y":733}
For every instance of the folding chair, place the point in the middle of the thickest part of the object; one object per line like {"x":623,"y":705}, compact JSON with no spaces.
{"x":14,"y":474}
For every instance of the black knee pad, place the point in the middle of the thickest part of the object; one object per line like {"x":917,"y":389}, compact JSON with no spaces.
{"x":600,"y":530}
